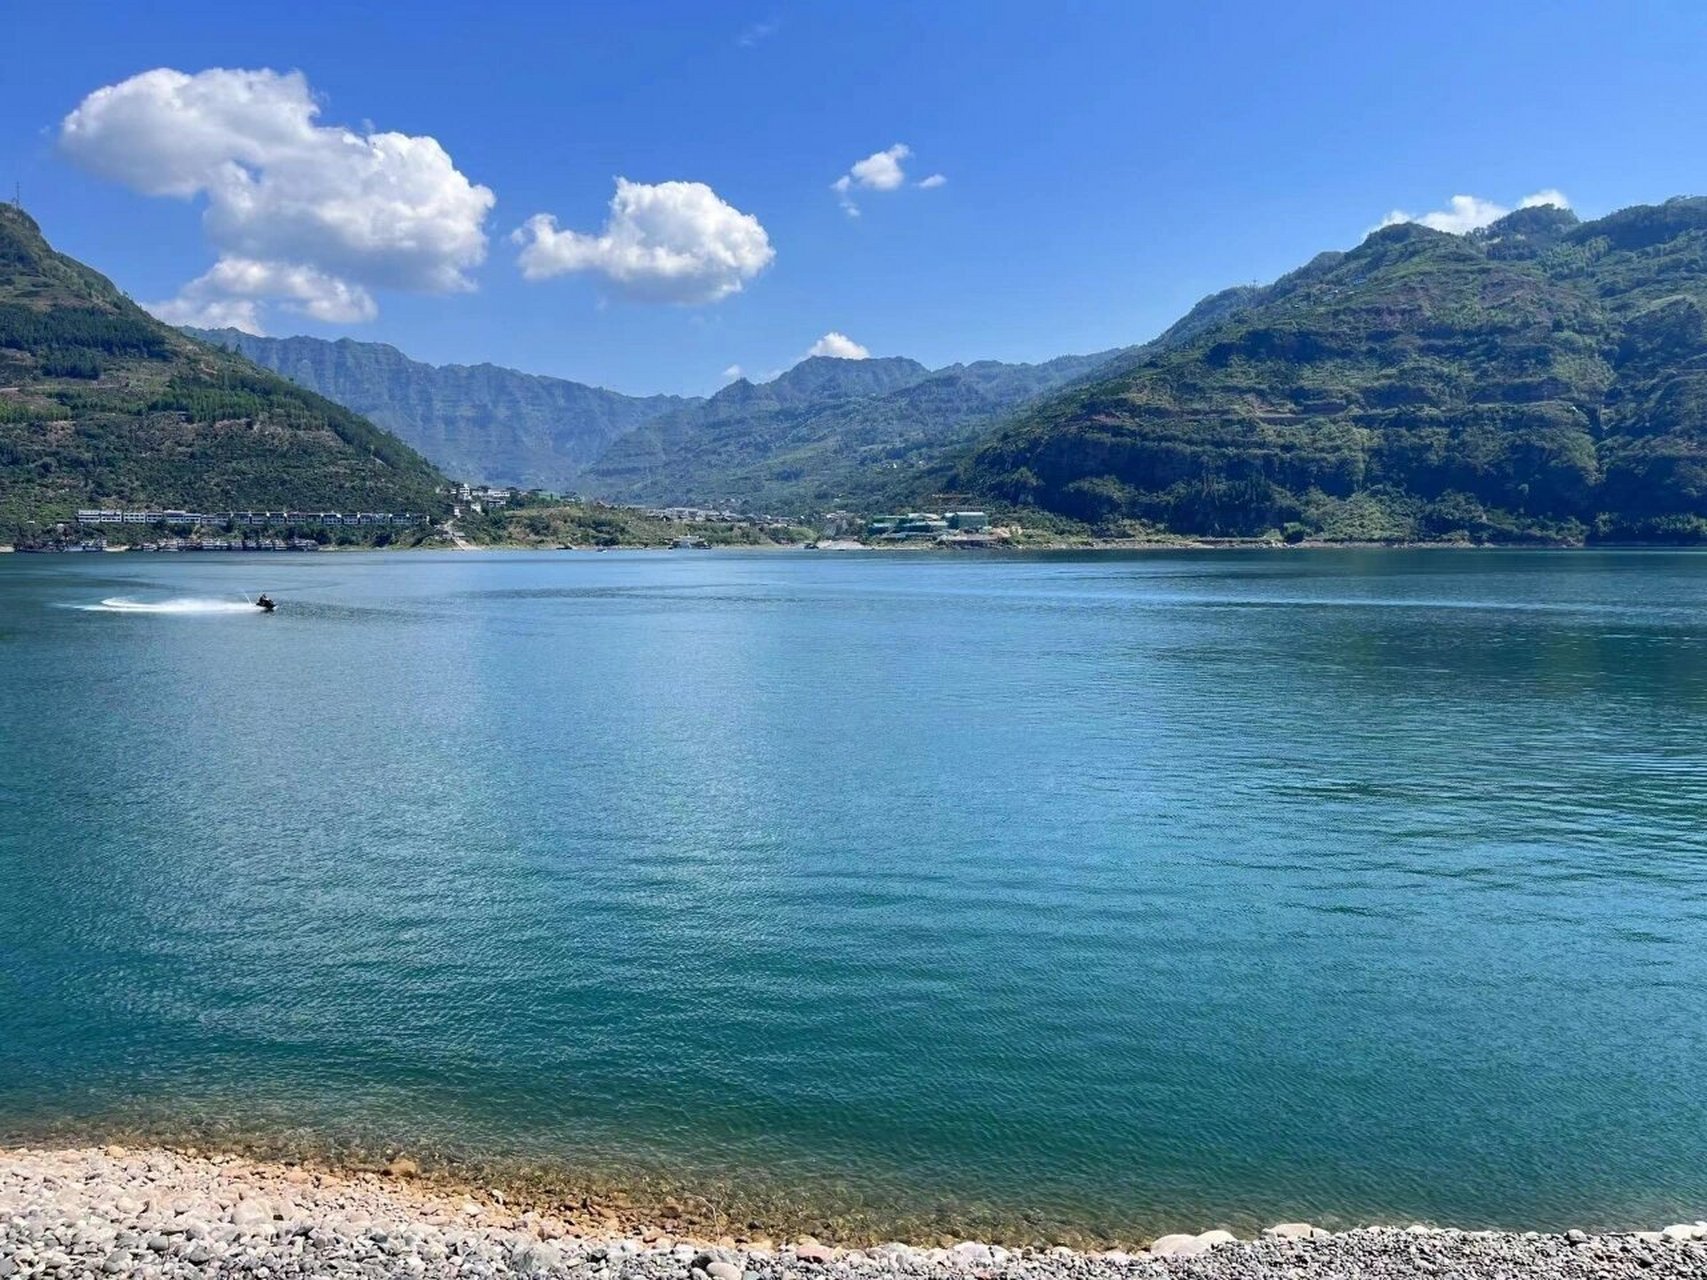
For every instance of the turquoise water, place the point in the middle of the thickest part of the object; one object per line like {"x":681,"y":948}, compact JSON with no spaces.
{"x":1111,"y":894}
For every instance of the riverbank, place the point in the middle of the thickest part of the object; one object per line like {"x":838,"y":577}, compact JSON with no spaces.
{"x":456,"y":541}
{"x":1120,"y":546}
{"x":157,"y":1213}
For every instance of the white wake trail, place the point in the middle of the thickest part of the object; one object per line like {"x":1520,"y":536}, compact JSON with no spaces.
{"x":189,"y":604}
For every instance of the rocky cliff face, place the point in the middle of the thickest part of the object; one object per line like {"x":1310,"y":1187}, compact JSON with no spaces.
{"x":1541,"y":379}
{"x":827,"y":433}
{"x":824,"y":433}
{"x":477,"y":422}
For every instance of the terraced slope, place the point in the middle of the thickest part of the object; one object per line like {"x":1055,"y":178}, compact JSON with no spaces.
{"x":102,"y":404}
{"x":1542,"y":379}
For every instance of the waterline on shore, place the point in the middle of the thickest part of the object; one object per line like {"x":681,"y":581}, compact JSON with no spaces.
{"x":635,"y":1196}
{"x":156,"y":1212}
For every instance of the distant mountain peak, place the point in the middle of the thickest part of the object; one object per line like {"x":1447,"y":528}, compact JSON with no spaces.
{"x":1539,"y":217}
{"x":479,"y":422}
{"x":819,"y":376}
{"x":856,"y":368}
{"x":829,"y":427}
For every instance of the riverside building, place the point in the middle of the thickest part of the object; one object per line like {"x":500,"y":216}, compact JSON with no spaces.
{"x":253,"y":519}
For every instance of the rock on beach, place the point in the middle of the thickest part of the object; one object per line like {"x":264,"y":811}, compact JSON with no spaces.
{"x":158,"y":1215}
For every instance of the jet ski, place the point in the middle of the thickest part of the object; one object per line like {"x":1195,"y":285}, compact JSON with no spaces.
{"x":264,"y":603}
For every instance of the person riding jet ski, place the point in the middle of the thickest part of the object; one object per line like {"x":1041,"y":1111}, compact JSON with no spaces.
{"x":265,"y":603}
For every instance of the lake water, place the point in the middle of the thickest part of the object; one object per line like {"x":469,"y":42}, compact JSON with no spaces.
{"x":1032,"y":895}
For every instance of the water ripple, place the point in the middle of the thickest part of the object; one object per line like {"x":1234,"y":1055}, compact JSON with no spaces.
{"x":1089,"y":895}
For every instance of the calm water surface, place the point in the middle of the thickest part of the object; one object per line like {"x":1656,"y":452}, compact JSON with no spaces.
{"x":1115,"y":894}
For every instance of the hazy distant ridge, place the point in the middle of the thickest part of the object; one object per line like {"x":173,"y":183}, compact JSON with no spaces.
{"x":826,"y":432}
{"x":480,"y":422}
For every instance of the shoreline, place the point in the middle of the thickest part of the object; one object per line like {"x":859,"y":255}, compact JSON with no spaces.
{"x":157,"y":1212}
{"x":1094,"y":546}
{"x":1117,"y":546}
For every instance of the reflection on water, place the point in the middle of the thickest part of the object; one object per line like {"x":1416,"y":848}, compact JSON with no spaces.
{"x":1115,"y":894}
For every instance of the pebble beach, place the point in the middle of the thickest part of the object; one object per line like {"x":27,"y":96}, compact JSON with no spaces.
{"x":152,"y":1214}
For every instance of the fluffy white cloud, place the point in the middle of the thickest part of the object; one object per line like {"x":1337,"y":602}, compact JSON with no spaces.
{"x":208,"y":312}
{"x":733,"y":373}
{"x":668,"y":242}
{"x":838,"y":345}
{"x":1550,"y":196}
{"x":1467,"y":213}
{"x":304,"y":214}
{"x":233,"y":292}
{"x":879,"y":171}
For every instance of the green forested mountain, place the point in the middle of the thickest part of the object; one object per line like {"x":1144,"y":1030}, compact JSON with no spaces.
{"x":102,"y":404}
{"x":1543,"y":378}
{"x":827,"y":433}
{"x":477,"y":422}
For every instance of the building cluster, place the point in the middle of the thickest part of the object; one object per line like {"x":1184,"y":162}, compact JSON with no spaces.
{"x":484,"y":493}
{"x":923,"y":526}
{"x":710,"y":515}
{"x":177,"y":544}
{"x":66,"y":544}
{"x":254,"y":519}
{"x":231,"y":544}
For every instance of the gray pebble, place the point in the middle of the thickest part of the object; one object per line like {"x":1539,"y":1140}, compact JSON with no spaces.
{"x":60,"y":1217}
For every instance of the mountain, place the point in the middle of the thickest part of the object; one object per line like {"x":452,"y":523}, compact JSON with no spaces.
{"x":102,"y":404}
{"x":1540,"y":379}
{"x":827,"y":433}
{"x":824,"y":433}
{"x":478,"y":422}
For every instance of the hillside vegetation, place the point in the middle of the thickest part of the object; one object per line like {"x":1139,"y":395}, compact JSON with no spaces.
{"x":480,"y":422}
{"x":582,"y":525}
{"x":101,"y":404}
{"x":1543,"y":379}
{"x":827,"y":433}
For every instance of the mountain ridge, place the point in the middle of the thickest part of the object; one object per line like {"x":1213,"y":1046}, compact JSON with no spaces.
{"x":1540,"y":379}
{"x":483,"y":422}
{"x":749,"y":444}
{"x":102,"y":404}
{"x":860,"y":438}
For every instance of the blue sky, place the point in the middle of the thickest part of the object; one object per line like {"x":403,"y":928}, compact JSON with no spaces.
{"x":1104,"y":164}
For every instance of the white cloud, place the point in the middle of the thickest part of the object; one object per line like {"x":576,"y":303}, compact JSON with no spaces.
{"x":669,"y":242}
{"x":756,"y":32}
{"x":839,"y":346}
{"x":879,"y":171}
{"x":1468,"y":213}
{"x":233,"y":292}
{"x":1551,"y":196}
{"x":733,"y":373}
{"x":206,"y":312}
{"x":307,"y":215}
